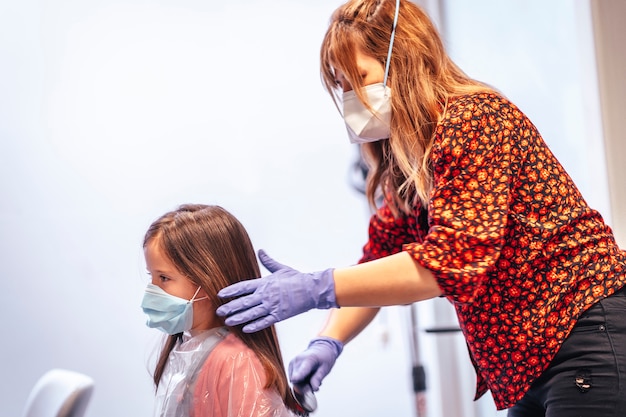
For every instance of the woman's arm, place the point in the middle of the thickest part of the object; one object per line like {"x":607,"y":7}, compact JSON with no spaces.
{"x":395,"y":279}
{"x":345,"y":324}
{"x":392,"y":280}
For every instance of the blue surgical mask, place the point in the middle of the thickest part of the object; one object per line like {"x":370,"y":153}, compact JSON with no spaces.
{"x":167,"y":312}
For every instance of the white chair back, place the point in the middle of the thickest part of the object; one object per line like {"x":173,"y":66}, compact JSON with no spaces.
{"x":59,"y":393}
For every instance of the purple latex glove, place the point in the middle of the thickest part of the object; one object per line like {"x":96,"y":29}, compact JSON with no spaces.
{"x":311,"y":366}
{"x":283,"y":294}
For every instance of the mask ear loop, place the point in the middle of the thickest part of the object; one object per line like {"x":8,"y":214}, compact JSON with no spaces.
{"x":193,"y":300}
{"x":393,"y":35}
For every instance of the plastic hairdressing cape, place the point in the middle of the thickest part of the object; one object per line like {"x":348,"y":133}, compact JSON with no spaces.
{"x":214,"y":374}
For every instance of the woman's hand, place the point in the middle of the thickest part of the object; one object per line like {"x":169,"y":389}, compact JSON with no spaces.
{"x":311,"y":366}
{"x":276,"y":297}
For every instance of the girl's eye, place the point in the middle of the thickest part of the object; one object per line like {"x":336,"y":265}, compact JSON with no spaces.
{"x":163,"y":278}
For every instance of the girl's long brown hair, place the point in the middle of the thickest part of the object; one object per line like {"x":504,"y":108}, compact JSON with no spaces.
{"x":422,"y":78}
{"x":211,"y":247}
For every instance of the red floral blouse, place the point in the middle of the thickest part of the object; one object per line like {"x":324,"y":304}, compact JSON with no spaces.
{"x":510,"y":240}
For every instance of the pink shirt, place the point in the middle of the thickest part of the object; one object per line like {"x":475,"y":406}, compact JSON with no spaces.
{"x":230,"y":384}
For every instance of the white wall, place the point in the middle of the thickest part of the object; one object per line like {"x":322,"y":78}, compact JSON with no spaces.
{"x":113,"y":112}
{"x":609,"y":18}
{"x":541,"y":55}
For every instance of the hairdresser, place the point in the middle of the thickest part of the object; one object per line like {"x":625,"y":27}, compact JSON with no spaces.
{"x":476,"y":209}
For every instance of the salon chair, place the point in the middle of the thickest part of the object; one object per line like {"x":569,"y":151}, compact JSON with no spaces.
{"x":59,"y":393}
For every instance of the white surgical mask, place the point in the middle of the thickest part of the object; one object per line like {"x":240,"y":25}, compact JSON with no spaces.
{"x":366,"y":125}
{"x":363,"y":125}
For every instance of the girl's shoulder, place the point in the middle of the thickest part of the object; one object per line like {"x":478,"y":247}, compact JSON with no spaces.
{"x":232,"y":348}
{"x":231,"y":358}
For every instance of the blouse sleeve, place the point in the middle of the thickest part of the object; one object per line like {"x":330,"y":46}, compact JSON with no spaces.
{"x":475,"y":147}
{"x":388,"y":233}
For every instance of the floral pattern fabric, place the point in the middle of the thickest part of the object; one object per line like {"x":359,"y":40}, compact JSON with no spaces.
{"x":510,"y":240}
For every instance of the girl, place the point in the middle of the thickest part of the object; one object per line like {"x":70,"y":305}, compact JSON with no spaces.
{"x":206,"y":368}
{"x":476,"y":209}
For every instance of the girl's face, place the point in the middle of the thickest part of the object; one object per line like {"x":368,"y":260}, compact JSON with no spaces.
{"x":165,"y":275}
{"x":371,"y":70}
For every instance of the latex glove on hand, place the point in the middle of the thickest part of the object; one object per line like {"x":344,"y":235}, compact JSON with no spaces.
{"x":276,"y":297}
{"x":311,"y":366}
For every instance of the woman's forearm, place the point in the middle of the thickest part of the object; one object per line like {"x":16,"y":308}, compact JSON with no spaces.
{"x":346,"y":323}
{"x":361,"y":289}
{"x":392,"y":280}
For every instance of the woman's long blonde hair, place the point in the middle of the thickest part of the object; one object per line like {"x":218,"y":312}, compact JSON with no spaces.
{"x":422,"y":78}
{"x":211,"y":247}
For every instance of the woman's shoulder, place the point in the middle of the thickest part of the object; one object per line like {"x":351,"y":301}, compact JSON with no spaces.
{"x":476,"y":103}
{"x":477,"y":110}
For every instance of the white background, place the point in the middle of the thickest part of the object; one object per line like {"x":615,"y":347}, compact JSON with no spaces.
{"x":113,"y":112}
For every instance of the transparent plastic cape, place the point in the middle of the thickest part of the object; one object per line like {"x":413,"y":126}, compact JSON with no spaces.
{"x":214,"y":374}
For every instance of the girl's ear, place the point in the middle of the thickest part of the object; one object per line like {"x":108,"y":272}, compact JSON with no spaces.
{"x":203,"y":294}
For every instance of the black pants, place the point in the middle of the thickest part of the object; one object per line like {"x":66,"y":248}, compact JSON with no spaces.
{"x":587,"y":377}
